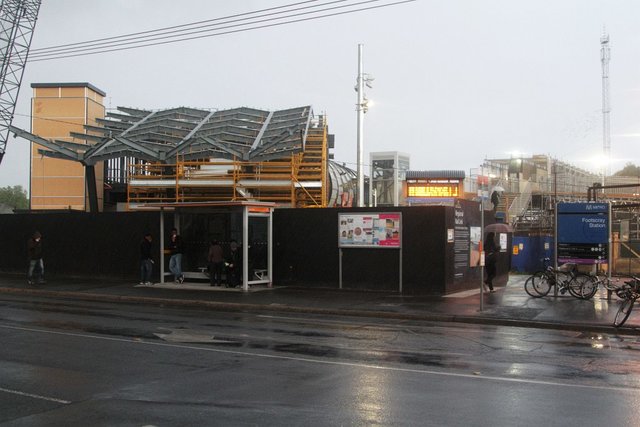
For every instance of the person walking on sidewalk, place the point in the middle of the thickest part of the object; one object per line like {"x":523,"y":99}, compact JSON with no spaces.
{"x":36,"y":263}
{"x":216,"y":263}
{"x":175,"y":262}
{"x":146,"y":263}
{"x":491,"y":250}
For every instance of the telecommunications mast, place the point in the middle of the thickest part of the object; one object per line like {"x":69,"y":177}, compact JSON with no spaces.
{"x":605,"y":56}
{"x":17,"y":22}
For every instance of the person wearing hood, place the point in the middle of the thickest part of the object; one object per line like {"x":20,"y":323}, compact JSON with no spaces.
{"x":36,"y":264}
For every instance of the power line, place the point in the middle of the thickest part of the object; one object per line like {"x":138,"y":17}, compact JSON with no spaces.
{"x":141,"y":42}
{"x":164,"y":30}
{"x":231,"y":29}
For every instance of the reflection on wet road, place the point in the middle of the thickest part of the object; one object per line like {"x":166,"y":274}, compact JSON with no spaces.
{"x":367,"y":371}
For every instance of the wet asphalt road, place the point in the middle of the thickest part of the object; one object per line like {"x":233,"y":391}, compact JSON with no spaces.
{"x":77,"y":363}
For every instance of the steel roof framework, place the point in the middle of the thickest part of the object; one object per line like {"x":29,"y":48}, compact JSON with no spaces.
{"x":273,"y":155}
{"x":187,"y":133}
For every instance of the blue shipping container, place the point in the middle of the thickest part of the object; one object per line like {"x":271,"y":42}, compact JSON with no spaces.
{"x":528,"y":253}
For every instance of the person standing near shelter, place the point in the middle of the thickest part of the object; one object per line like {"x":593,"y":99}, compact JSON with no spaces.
{"x":175,"y":262}
{"x":36,"y":263}
{"x":234,"y":269}
{"x":215,"y":259}
{"x":491,"y":250}
{"x":146,"y":263}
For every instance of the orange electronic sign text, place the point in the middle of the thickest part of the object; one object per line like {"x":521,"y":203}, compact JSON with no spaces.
{"x":433,"y":190}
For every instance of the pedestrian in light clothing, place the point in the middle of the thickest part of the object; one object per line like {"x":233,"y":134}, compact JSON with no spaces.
{"x":216,"y":263}
{"x":35,"y":274}
{"x":491,"y":250}
{"x":175,"y":262}
{"x":146,"y":262}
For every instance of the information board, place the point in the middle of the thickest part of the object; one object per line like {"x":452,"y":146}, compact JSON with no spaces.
{"x":433,"y":190}
{"x":369,"y":230}
{"x":583,"y":233}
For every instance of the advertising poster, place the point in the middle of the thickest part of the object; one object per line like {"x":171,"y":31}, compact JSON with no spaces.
{"x":503,"y":242}
{"x":475,"y":235}
{"x":369,"y":230}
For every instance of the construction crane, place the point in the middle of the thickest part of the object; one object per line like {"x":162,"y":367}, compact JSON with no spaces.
{"x":17,"y":22}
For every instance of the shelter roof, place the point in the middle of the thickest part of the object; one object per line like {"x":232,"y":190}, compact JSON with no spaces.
{"x":194,"y":205}
{"x":435,"y":174}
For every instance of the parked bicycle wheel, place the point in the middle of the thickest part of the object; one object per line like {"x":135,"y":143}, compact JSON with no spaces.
{"x":626,"y":305}
{"x":541,"y":283}
{"x":583,"y":286}
{"x":528,"y":288}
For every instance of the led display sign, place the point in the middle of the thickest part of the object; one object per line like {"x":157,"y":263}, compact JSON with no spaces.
{"x":432,"y":190}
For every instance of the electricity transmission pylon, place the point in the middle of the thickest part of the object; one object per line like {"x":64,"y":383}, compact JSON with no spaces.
{"x":17,"y":22}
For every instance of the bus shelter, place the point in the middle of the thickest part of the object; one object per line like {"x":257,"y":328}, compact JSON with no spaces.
{"x":250,"y":224}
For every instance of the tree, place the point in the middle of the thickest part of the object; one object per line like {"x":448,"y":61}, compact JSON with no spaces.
{"x":629,"y":170}
{"x":15,"y":197}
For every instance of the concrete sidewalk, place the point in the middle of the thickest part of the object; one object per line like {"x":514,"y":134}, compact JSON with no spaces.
{"x":509,"y":305}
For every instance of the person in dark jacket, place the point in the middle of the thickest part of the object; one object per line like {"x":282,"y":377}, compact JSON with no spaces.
{"x":215,"y":259}
{"x":36,"y":263}
{"x":175,"y":262}
{"x":491,"y":250}
{"x":146,"y":262}
{"x":234,"y":269}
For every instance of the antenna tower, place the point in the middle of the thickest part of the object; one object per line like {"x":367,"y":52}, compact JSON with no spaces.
{"x":605,"y":56}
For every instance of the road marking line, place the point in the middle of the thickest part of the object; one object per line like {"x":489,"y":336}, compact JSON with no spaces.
{"x":474,"y":376}
{"x":35,"y":396}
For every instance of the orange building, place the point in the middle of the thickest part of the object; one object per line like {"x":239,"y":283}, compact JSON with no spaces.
{"x":58,"y":109}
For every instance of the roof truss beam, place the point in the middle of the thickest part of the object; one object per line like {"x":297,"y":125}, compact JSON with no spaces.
{"x":50,"y":145}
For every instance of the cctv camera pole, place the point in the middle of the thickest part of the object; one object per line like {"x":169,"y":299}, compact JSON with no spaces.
{"x":360,"y":110}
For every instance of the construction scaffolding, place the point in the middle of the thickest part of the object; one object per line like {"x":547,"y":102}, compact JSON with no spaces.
{"x":531,"y":186}
{"x":192,"y":155}
{"x":300,"y":180}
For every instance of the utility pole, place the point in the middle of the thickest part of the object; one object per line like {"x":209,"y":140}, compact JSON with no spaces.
{"x":361,"y":108}
{"x":605,"y":56}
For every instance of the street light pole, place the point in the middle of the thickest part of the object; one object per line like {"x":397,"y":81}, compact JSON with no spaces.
{"x":360,"y":108}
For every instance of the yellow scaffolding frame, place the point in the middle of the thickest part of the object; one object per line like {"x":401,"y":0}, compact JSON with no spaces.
{"x":299,"y":180}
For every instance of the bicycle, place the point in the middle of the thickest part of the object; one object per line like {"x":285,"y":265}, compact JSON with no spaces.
{"x":613,"y":284}
{"x":629,"y":293}
{"x":566,"y":278}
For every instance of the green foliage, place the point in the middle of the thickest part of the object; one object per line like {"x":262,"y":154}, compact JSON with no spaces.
{"x":629,"y":170}
{"x":15,"y":197}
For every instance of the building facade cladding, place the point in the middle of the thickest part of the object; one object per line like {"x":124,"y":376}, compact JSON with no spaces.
{"x":57,"y":109}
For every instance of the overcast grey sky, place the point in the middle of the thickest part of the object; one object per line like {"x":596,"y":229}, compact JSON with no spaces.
{"x":456,"y":81}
